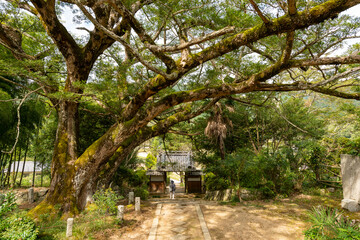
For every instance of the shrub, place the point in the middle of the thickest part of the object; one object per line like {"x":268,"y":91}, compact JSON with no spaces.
{"x":14,"y":226}
{"x":19,"y":226}
{"x":287,"y":184}
{"x":106,"y":201}
{"x":331,"y":224}
{"x":7,"y":203}
{"x":214,"y":182}
{"x":127,"y":179}
{"x":141,"y":192}
{"x":267,"y":193}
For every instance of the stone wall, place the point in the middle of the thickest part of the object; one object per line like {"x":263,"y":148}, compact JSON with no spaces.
{"x":350,"y":172}
{"x":228,"y":195}
{"x":22,"y":197}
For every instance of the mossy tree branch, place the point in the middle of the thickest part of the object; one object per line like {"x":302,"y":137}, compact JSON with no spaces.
{"x":280,"y":25}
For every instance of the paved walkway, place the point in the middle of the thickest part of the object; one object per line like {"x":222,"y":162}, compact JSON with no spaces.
{"x":179,"y":220}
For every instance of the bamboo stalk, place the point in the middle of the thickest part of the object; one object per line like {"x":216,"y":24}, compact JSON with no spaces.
{"x":23,"y":168}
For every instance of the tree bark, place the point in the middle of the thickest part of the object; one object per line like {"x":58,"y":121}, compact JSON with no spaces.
{"x":75,"y":179}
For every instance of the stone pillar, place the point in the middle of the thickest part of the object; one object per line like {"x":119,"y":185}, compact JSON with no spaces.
{"x":350,"y":172}
{"x":31,"y":195}
{"x":137,"y":204}
{"x":120,"y":215}
{"x":227,"y":195}
{"x":69,"y":227}
{"x":131,"y":197}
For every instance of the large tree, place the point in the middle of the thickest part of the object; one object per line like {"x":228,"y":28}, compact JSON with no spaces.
{"x":152,"y":64}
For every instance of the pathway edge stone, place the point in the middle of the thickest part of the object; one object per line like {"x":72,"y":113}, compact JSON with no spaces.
{"x":153,"y":230}
{"x":203,"y":226}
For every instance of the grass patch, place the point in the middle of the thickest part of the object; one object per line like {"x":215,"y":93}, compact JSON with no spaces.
{"x":254,"y":204}
{"x":86,"y":225}
{"x":27,"y":180}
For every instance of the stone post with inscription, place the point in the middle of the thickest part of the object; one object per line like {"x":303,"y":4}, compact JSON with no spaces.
{"x":350,"y":172}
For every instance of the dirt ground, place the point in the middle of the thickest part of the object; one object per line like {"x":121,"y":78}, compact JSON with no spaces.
{"x":135,"y":226}
{"x":250,"y":220}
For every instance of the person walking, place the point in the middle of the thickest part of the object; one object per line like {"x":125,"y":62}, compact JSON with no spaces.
{"x":172,"y":189}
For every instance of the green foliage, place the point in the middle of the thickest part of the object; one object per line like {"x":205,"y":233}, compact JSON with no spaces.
{"x":106,"y":201}
{"x":6,"y":112}
{"x":19,"y":226}
{"x":267,"y":191}
{"x":287,"y":185}
{"x":115,"y":82}
{"x":7,"y":204}
{"x":267,"y":147}
{"x":87,"y":225}
{"x":348,"y":146}
{"x":142,"y":192}
{"x":150,"y":161}
{"x":92,"y":127}
{"x":27,"y":180}
{"x":270,"y":173}
{"x":331,"y":224}
{"x":31,"y":112}
{"x":214,"y":182}
{"x":127,"y":178}
{"x":14,"y":226}
{"x":44,"y":141}
{"x":314,"y":158}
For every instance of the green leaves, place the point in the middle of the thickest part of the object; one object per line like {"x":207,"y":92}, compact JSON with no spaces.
{"x":14,"y":226}
{"x":19,"y":226}
{"x":6,"y":112}
{"x":7,"y":204}
{"x":331,"y":224}
{"x":106,"y":200}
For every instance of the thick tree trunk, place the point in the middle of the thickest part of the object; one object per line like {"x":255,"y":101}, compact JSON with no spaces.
{"x":61,"y":189}
{"x":75,"y":179}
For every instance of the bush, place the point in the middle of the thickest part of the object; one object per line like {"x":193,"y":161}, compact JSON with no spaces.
{"x":7,"y":203}
{"x":106,"y":201}
{"x":14,"y":226}
{"x":19,"y":226}
{"x":128,"y":179}
{"x":287,"y":185}
{"x":267,"y":190}
{"x":141,"y":192}
{"x":214,"y":182}
{"x":331,"y":224}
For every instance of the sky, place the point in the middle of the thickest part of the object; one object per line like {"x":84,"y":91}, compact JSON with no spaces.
{"x":354,"y":11}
